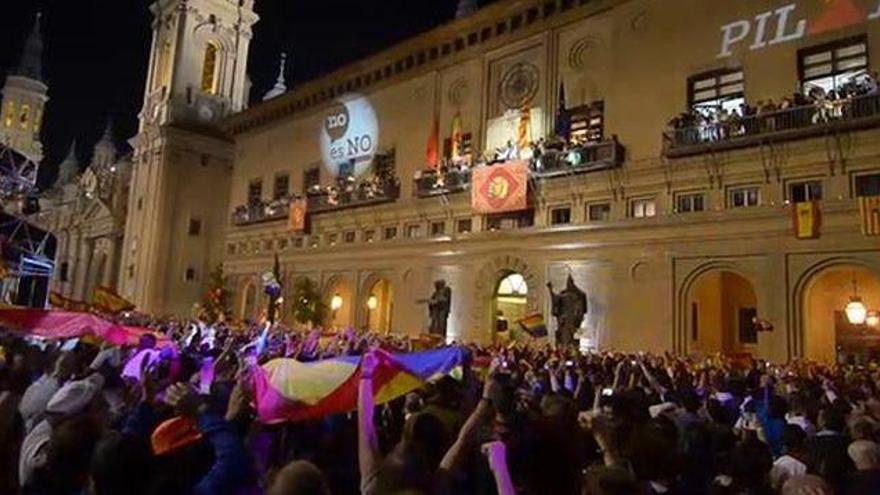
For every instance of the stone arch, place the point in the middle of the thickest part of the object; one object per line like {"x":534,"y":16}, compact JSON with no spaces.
{"x":381,"y":286}
{"x":684,"y":288}
{"x":804,"y":281}
{"x":487,"y":280}
{"x":342,"y":285}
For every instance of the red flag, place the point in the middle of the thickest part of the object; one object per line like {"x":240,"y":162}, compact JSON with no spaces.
{"x":433,"y":145}
{"x":837,"y":15}
{"x":500,"y":188}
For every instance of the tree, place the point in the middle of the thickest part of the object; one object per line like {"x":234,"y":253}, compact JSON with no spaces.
{"x":308,"y":306}
{"x":216,"y":304}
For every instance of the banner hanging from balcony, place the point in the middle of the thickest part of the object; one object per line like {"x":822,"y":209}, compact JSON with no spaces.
{"x":869,"y":206}
{"x":806,"y":219}
{"x":297,"y":217}
{"x":500,"y":188}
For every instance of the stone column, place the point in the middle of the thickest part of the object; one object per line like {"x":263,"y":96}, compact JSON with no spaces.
{"x":110,"y":271}
{"x":83,"y":262}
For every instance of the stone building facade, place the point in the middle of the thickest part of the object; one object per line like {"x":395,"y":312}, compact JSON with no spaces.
{"x":679,"y":236}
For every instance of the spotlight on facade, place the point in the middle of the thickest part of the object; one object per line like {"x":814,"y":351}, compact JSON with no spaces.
{"x":873,"y":319}
{"x":372,"y":302}
{"x":336,"y":302}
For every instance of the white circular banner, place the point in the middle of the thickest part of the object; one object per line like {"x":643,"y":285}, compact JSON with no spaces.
{"x":349,"y":136}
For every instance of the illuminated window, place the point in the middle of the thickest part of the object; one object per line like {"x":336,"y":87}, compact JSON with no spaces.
{"x":38,"y":119}
{"x":24,"y":116}
{"x":513,"y":285}
{"x":209,"y":68}
{"x":164,"y":67}
{"x":9,"y":118}
{"x":599,"y":212}
{"x":718,"y":90}
{"x":643,"y":208}
{"x":413,"y":231}
{"x":744,"y":197}
{"x":833,"y":65}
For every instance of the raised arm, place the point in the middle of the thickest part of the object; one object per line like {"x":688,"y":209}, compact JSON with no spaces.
{"x":496,"y":453}
{"x":369,"y":456}
{"x":484,"y":409}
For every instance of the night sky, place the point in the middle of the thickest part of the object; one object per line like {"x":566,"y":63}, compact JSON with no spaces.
{"x":96,"y":51}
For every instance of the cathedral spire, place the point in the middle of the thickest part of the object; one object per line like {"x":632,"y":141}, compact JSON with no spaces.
{"x":281,"y":83}
{"x":68,"y":168}
{"x":31,"y":63}
{"x":466,"y":8}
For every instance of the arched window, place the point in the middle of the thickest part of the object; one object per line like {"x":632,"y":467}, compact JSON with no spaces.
{"x":209,"y":68}
{"x":24,"y":116}
{"x":9,"y":118}
{"x":513,"y":285}
{"x":164,"y":68}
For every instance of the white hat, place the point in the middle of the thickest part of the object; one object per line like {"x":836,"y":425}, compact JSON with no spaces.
{"x":73,"y":397}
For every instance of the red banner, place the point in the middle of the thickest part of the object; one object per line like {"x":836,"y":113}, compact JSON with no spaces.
{"x":500,"y":188}
{"x":297,"y":218}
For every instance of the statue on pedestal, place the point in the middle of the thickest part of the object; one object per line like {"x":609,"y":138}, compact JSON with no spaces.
{"x":438,"y":308}
{"x":569,"y":308}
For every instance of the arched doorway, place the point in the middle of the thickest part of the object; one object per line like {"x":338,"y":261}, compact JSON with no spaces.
{"x":830,"y":334}
{"x":720,"y":311}
{"x":377,"y":306}
{"x":249,"y":302}
{"x":338,"y":298}
{"x":510,"y":303}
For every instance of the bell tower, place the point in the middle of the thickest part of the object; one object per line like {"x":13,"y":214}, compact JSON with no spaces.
{"x":182,"y":162}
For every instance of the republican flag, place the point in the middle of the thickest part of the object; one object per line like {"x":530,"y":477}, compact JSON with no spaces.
{"x":289,"y":390}
{"x":524,"y":133}
{"x":534,"y":325}
{"x":806,"y":219}
{"x":869,"y":207}
{"x":563,"y":119}
{"x":457,"y":136}
{"x":297,"y":215}
{"x":433,"y":151}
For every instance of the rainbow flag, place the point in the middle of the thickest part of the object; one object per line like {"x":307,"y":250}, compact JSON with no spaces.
{"x":290,"y":390}
{"x":534,"y":325}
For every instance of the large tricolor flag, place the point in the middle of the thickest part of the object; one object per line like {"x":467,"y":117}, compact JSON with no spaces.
{"x":500,"y":188}
{"x":53,"y":324}
{"x":289,"y":390}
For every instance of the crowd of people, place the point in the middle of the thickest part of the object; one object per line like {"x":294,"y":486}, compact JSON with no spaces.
{"x":854,"y":99}
{"x":524,"y":418}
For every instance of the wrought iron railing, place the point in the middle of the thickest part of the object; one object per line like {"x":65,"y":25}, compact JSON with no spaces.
{"x":368,"y":193}
{"x":437,"y":183}
{"x":263,"y":211}
{"x":579,"y":159}
{"x":792,"y":123}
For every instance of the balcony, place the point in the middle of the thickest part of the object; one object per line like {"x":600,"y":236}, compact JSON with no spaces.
{"x":429,"y":183}
{"x":579,"y":159}
{"x":370,"y":192}
{"x":261,"y":212}
{"x":811,"y":120}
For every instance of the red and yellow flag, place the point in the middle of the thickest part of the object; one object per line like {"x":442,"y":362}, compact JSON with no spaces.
{"x":524,"y":133}
{"x":500,"y":188}
{"x":869,"y":207}
{"x":433,"y":151}
{"x":107,"y":300}
{"x":806,"y":219}
{"x":296,"y":220}
{"x":457,"y":136}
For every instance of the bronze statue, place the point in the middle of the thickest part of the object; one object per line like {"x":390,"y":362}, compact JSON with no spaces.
{"x":438,"y":307}
{"x":569,"y":308}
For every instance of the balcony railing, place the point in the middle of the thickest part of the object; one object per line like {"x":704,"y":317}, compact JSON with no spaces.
{"x":368,"y":193}
{"x":579,"y":159}
{"x":263,"y":211}
{"x":810,"y":120}
{"x":433,"y":183}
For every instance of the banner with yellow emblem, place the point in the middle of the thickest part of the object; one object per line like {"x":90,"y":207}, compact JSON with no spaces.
{"x":297,"y":218}
{"x":500,"y":188}
{"x":806,"y":219}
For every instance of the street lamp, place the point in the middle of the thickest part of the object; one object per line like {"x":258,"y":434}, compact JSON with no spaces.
{"x":856,"y":311}
{"x":873,"y":319}
{"x":336,"y":302}
{"x":372,"y":302}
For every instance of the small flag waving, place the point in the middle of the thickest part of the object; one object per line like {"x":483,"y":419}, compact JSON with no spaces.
{"x":806,"y":219}
{"x":433,"y":151}
{"x":869,"y":206}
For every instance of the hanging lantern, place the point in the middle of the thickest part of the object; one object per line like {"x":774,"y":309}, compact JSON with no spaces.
{"x":372,"y":302}
{"x":856,"y":311}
